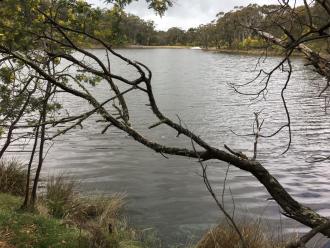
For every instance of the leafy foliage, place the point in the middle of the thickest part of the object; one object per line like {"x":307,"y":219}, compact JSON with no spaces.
{"x":160,"y":6}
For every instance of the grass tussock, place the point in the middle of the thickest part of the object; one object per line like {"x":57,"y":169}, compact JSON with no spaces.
{"x":101,"y":216}
{"x":12,"y":177}
{"x":60,"y":196}
{"x":253,"y":232}
{"x":64,"y":218}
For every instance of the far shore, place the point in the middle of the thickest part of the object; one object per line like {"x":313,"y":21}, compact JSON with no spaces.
{"x":259,"y":52}
{"x":155,"y":47}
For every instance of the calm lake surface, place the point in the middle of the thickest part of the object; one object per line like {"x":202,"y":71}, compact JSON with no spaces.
{"x":168,"y":194}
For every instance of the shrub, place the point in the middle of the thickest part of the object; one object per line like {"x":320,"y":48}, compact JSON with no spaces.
{"x":98,"y":216}
{"x":101,"y":216}
{"x":12,"y":177}
{"x":224,"y":236}
{"x":60,"y":196}
{"x":250,"y":42}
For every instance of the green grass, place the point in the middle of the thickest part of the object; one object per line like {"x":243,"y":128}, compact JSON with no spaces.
{"x":63,"y":218}
{"x":23,"y":229}
{"x":9,"y":202}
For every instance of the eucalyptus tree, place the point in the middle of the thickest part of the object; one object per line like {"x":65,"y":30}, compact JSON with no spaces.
{"x":160,"y":6}
{"x":175,"y":36}
{"x":207,"y":35}
{"x":191,"y":36}
{"x":137,"y":31}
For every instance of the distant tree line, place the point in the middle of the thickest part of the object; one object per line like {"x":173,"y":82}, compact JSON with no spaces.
{"x":232,"y":29}
{"x":228,"y":31}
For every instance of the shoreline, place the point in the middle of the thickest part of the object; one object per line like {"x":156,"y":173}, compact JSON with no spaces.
{"x":155,"y":47}
{"x":259,"y":52}
{"x":255,"y":52}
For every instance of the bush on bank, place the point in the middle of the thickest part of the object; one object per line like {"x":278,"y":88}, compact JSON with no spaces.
{"x":63,"y":218}
{"x":12,"y":177}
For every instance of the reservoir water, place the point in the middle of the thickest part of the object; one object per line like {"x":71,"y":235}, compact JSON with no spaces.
{"x":168,"y":194}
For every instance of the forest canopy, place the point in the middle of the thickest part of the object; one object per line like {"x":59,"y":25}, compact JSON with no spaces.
{"x":227,"y":31}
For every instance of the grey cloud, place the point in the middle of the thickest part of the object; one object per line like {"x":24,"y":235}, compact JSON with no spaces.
{"x":186,"y":13}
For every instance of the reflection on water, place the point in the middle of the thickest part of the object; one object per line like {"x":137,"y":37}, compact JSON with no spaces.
{"x":169,"y":194}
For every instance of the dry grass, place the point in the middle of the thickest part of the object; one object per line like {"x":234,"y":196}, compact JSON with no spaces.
{"x":4,"y":244}
{"x":99,"y":216}
{"x":5,"y":235}
{"x":102,"y":217}
{"x":253,"y":232}
{"x":62,"y":212}
{"x":60,"y":196}
{"x":12,"y":177}
{"x":101,"y":209}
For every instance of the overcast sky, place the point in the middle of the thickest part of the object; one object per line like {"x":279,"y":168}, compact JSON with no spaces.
{"x":185,"y":13}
